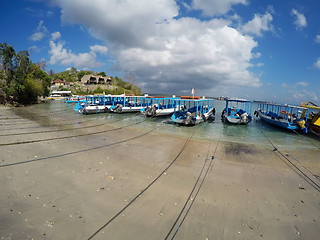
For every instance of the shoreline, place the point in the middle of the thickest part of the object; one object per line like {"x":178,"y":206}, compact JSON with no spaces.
{"x":71,"y":187}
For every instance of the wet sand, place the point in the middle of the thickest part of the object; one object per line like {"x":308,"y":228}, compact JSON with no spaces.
{"x":129,"y":183}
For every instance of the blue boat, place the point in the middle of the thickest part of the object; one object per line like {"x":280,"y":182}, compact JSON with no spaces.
{"x":237,"y":111}
{"x":126,"y":104}
{"x":97,"y":103}
{"x":160,"y":106}
{"x":193,"y":111}
{"x":284,"y":116}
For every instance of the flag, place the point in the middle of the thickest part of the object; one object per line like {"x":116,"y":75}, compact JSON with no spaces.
{"x":192,"y":91}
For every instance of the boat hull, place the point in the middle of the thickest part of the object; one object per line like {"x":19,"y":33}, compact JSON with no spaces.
{"x":314,"y":128}
{"x":93,"y":109}
{"x":188,"y":119}
{"x":278,"y":122}
{"x":236,"y":120}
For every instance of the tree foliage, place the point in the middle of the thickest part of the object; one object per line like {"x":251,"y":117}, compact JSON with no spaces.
{"x":21,"y":80}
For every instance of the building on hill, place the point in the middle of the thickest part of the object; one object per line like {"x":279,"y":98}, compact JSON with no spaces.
{"x":58,"y":82}
{"x":91,"y":79}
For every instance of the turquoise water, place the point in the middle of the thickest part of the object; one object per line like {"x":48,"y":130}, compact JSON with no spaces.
{"x":253,"y":133}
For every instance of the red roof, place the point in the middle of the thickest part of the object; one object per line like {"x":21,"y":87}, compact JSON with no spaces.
{"x":58,"y":81}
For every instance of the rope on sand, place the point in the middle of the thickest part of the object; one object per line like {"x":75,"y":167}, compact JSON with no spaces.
{"x":198,"y":190}
{"x":142,"y":191}
{"x":293,"y":166}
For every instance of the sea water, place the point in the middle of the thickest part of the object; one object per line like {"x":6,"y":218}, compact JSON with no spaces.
{"x":256,"y":132}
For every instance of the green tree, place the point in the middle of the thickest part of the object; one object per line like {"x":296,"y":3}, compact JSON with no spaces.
{"x":103,"y":74}
{"x":24,"y":80}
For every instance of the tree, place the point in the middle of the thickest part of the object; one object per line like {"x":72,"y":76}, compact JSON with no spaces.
{"x":7,"y":54}
{"x":25,"y":81}
{"x":103,"y":74}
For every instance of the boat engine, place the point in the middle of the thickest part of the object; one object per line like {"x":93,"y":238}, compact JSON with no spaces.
{"x":189,"y":119}
{"x":244,"y":117}
{"x":151,"y":111}
{"x":118,"y":108}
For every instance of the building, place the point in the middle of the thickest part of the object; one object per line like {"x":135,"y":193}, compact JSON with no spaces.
{"x":58,"y":82}
{"x":91,"y":79}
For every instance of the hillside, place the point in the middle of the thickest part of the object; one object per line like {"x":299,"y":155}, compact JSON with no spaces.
{"x":72,"y":79}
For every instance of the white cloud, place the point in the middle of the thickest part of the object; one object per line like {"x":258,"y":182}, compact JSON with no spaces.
{"x":216,"y":7}
{"x":317,"y":39}
{"x":304,"y":95}
{"x":34,"y":48}
{"x":300,"y":19}
{"x":59,"y":54}
{"x":42,"y":31}
{"x":55,"y":36}
{"x":302,"y":84}
{"x":317,"y":64}
{"x":159,"y":50}
{"x":258,"y":24}
{"x":99,"y":49}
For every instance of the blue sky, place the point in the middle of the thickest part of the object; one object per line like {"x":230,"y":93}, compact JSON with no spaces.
{"x":259,"y":50}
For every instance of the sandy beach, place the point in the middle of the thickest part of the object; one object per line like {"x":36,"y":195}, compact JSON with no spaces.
{"x":89,"y":180}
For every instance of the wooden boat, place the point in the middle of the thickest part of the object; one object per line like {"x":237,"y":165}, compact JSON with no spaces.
{"x":193,"y":111}
{"x":314,"y":116}
{"x":161,"y":106}
{"x":284,"y":116}
{"x":239,"y":113}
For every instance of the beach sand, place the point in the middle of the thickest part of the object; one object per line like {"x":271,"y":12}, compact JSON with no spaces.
{"x":130,"y":183}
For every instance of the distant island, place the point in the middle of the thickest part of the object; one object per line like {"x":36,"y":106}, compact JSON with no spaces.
{"x":23,"y":82}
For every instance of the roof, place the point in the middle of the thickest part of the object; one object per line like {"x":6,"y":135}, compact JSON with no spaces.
{"x":57,"y":81}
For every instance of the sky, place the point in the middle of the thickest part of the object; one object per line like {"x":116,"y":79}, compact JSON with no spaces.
{"x":259,"y":50}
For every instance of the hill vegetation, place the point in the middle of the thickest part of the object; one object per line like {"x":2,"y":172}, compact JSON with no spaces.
{"x":23,"y":82}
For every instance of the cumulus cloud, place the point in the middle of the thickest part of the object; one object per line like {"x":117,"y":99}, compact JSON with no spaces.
{"x":317,"y":64}
{"x":258,"y":24}
{"x":216,"y":7}
{"x":164,"y":53}
{"x":55,"y":35}
{"x":59,"y":54}
{"x":41,"y":32}
{"x":317,"y":39}
{"x":300,"y":20}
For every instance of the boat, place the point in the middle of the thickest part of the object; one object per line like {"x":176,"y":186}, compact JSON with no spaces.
{"x":75,"y":99}
{"x":239,"y":113}
{"x":127,"y":104}
{"x":93,"y":108}
{"x":160,"y":106}
{"x":55,"y":97}
{"x":193,"y":111}
{"x":313,"y":117}
{"x":284,"y":116}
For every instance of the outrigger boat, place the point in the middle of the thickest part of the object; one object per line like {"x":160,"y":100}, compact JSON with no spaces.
{"x":239,"y":114}
{"x":314,"y":116}
{"x":128,"y":104}
{"x":284,"y":116}
{"x":160,"y":106}
{"x":193,"y":111}
{"x":92,"y":105}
